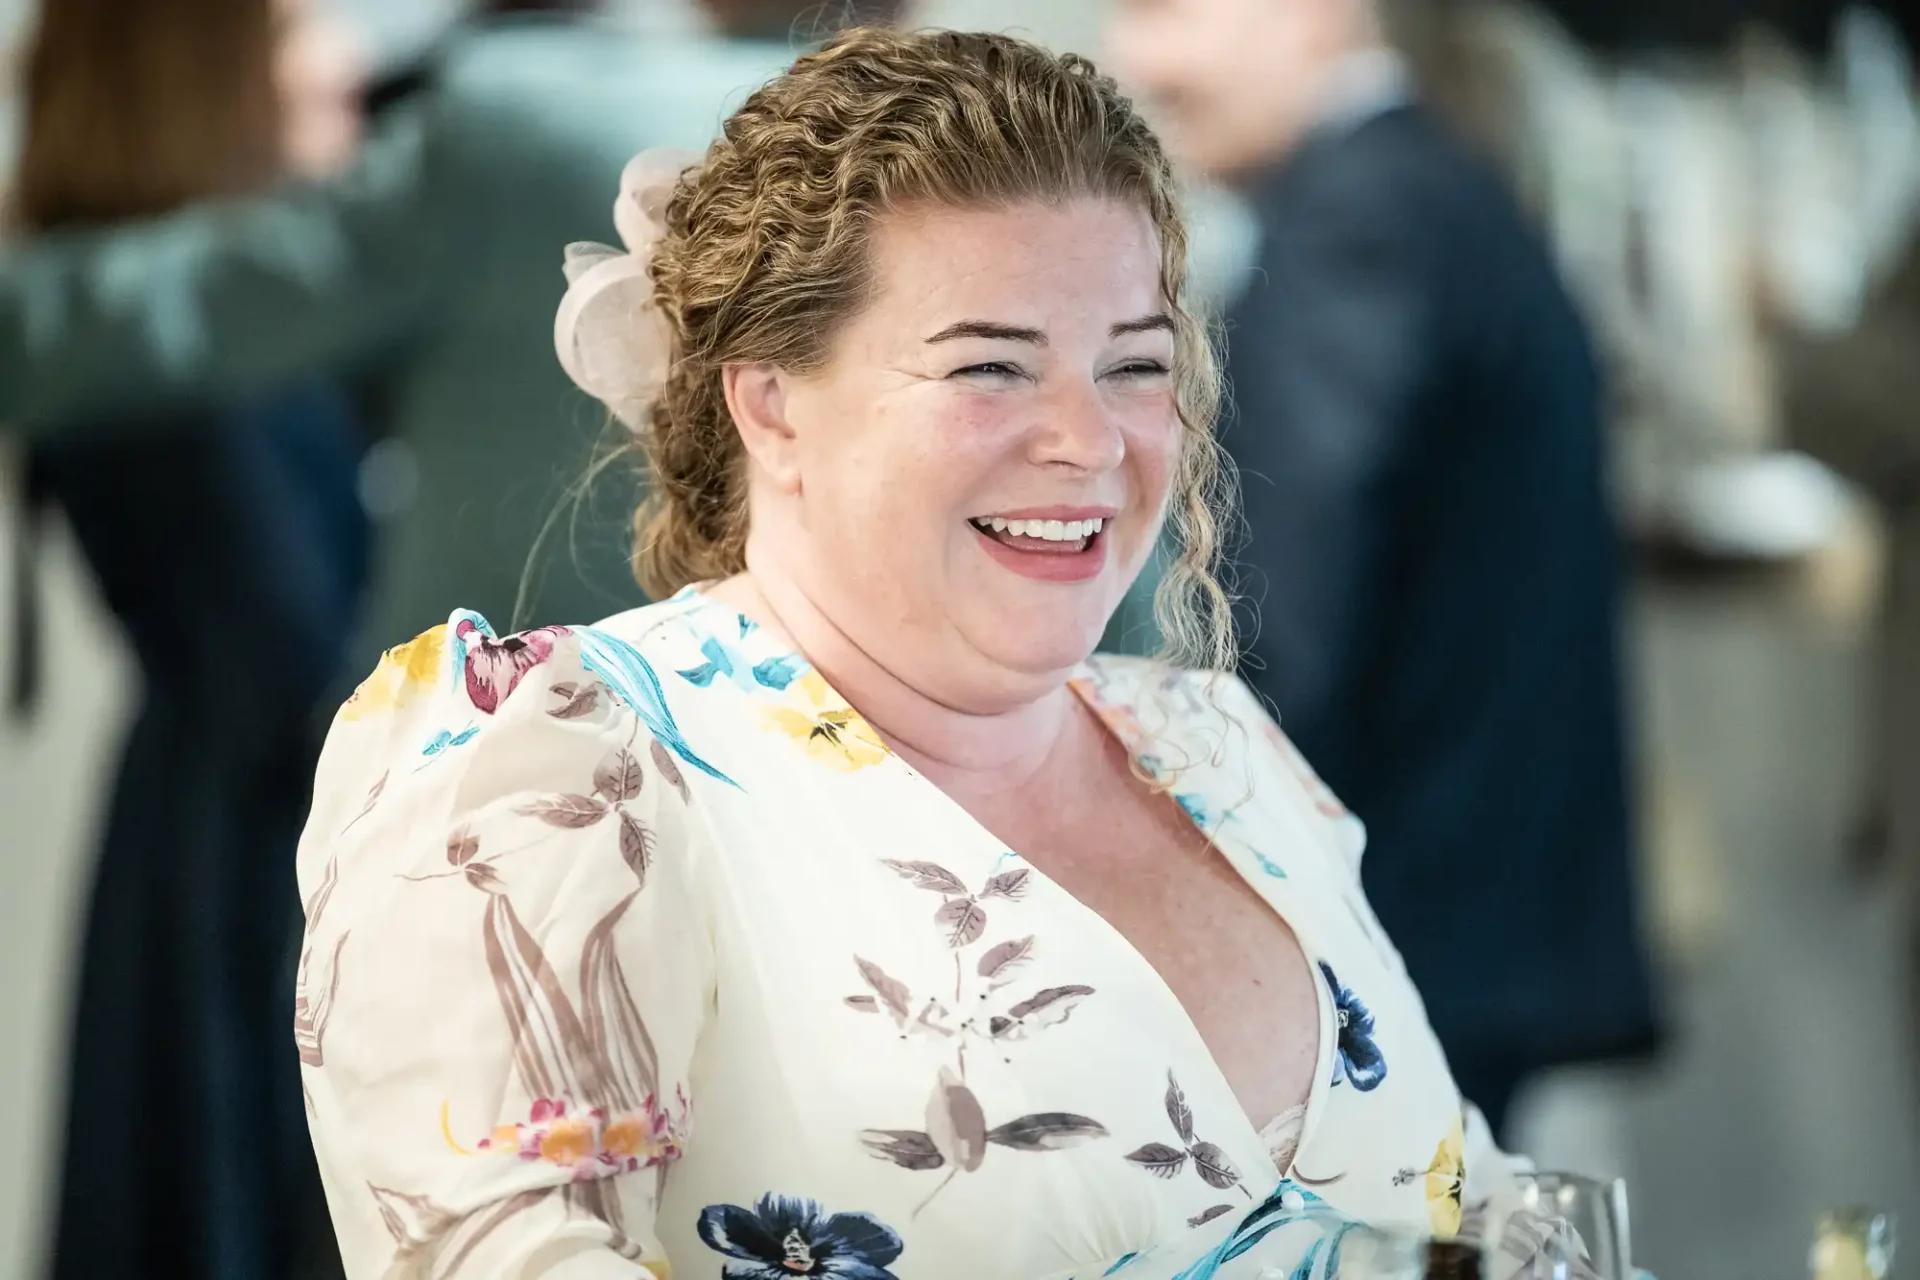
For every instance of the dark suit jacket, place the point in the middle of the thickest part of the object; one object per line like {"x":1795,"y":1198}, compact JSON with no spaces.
{"x":1436,"y":577}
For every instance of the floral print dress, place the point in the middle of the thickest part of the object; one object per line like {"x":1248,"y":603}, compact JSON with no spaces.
{"x":631,"y":950}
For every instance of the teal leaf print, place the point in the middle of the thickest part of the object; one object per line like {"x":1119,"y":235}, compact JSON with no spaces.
{"x":445,"y":741}
{"x":631,"y":678}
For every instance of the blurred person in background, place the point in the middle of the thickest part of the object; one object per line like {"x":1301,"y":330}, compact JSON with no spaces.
{"x":220,"y":539}
{"x":1431,"y":570}
{"x":1852,"y":399}
{"x":427,"y":270}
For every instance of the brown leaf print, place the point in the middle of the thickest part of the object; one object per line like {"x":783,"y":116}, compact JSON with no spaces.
{"x":551,"y":1051}
{"x":908,"y":1148}
{"x":636,"y":846}
{"x":462,"y":844}
{"x":567,"y":811}
{"x":1212,"y":1164}
{"x":933,"y":1018}
{"x":618,"y":777}
{"x":311,"y":1011}
{"x":1011,"y":885}
{"x":616,"y":1035}
{"x":1002,"y":960}
{"x":669,"y":768}
{"x":963,"y":921}
{"x":956,"y":1123}
{"x":865,"y":1004}
{"x":373,"y":797}
{"x":1047,"y":1131}
{"x":1041,"y":1010}
{"x":411,"y":1220}
{"x":316,"y":905}
{"x":574,"y":701}
{"x":1159,"y":1159}
{"x":599,"y":1198}
{"x":1202,"y":1219}
{"x":928,"y":875}
{"x":891,"y":990}
{"x":476,"y":1227}
{"x":485,"y":878}
{"x":1178,"y":1111}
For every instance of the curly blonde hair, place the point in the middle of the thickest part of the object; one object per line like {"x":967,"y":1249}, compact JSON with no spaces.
{"x":765,"y":254}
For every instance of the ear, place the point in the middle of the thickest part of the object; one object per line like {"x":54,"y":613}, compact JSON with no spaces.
{"x":757,"y":400}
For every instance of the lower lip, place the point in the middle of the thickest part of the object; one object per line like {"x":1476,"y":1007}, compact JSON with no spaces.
{"x":1050,"y":566}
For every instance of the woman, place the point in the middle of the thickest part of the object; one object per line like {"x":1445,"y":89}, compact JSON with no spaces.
{"x":185,"y":1146}
{"x":841,"y":916}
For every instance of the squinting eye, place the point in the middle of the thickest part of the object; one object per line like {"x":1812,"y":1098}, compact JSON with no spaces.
{"x":1135,"y":369}
{"x":991,"y":369}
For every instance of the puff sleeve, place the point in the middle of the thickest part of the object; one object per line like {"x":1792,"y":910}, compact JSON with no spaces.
{"x":506,"y":965}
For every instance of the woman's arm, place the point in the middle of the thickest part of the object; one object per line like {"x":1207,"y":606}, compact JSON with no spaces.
{"x":227,"y":298}
{"x":505,"y":969}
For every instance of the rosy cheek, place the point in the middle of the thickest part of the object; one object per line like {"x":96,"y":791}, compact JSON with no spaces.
{"x":1153,"y":446}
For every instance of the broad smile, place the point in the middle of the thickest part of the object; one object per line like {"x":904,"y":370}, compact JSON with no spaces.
{"x":1071,"y":547}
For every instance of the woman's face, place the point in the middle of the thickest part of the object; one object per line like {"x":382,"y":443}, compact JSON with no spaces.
{"x":974,"y":479}
{"x":319,"y":70}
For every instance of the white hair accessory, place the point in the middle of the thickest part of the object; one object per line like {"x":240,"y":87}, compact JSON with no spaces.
{"x":611,"y":338}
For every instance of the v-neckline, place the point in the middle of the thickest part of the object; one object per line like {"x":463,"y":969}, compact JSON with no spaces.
{"x":754,"y":635}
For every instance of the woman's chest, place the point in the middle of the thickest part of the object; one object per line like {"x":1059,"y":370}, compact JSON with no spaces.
{"x":916,"y":1023}
{"x":1226,"y":954}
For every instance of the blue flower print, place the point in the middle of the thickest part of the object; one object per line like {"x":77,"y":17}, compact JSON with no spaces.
{"x":774,"y":673}
{"x":783,"y":1236}
{"x":1359,"y":1061}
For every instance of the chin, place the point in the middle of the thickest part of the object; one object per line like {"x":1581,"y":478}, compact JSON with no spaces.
{"x":1044,"y":647}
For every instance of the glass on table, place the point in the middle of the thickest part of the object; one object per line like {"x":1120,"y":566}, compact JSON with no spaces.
{"x":1853,"y":1244}
{"x":1573,"y":1227}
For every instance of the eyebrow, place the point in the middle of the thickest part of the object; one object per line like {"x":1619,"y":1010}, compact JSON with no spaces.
{"x":1158,"y":321}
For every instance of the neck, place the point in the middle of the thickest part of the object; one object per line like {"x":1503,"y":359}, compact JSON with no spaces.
{"x":964,"y":752}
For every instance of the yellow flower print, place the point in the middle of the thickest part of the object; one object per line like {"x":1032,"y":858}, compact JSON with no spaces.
{"x":832,"y":732}
{"x":567,"y":1142}
{"x":1446,"y":1182}
{"x":637,"y":1137}
{"x":402,"y":672}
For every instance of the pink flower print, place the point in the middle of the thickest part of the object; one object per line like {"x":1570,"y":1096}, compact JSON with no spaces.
{"x":589,"y":1142}
{"x":496,"y":667}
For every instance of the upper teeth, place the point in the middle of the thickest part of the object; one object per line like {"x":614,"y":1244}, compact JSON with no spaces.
{"x":1051,"y":530}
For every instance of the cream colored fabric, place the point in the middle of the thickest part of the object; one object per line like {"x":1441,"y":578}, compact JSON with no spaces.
{"x":631,"y":949}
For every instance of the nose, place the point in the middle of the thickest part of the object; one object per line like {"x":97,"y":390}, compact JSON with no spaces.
{"x":1079,"y":431}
